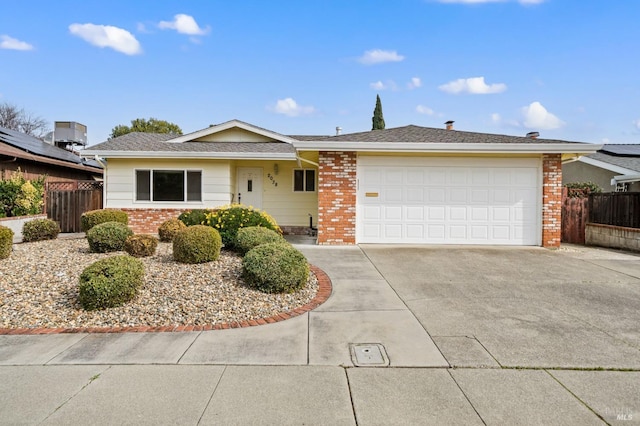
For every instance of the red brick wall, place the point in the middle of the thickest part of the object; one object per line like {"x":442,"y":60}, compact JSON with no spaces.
{"x":147,"y":221}
{"x":337,"y":198}
{"x":551,"y":200}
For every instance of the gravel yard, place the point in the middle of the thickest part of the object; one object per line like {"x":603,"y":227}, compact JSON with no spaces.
{"x":39,"y":288}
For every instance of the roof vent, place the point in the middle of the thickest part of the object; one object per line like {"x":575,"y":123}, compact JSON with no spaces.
{"x":338,"y":131}
{"x":533,"y":135}
{"x":449,"y":124}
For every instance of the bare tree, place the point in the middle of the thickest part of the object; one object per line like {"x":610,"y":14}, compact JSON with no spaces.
{"x":15,"y":118}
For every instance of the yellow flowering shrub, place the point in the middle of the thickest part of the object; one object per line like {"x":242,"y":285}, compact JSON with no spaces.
{"x":228,"y":219}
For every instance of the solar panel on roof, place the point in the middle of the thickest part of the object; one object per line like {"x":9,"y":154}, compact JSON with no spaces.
{"x":620,"y":149}
{"x":36,"y":146}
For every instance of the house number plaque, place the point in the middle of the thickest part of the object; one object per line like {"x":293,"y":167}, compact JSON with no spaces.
{"x":273,"y":180}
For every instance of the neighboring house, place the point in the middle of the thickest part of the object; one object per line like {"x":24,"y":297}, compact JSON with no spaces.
{"x":613,"y":168}
{"x":403,"y":185}
{"x":36,"y":158}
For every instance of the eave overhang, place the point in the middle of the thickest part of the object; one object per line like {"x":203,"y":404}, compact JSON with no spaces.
{"x":191,"y":155}
{"x":468,"y":148}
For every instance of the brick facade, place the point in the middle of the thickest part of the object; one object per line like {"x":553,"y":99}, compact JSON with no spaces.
{"x":147,"y":221}
{"x":551,"y":200}
{"x":337,"y":198}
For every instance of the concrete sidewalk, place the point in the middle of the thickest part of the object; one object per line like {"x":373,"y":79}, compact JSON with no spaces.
{"x":301,"y":371}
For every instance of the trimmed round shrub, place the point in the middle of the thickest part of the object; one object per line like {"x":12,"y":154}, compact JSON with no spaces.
{"x":110,"y":282}
{"x":95,"y":217}
{"x":275,"y":268}
{"x":6,"y":242}
{"x":39,"y":230}
{"x":108,"y":236}
{"x":169,"y":228}
{"x":228,"y":219}
{"x":197,"y":244}
{"x":194,"y":217}
{"x":248,"y":238}
{"x":141,"y":245}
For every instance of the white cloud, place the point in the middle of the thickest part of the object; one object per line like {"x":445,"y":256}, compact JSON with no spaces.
{"x":11,"y":43}
{"x":605,"y":140}
{"x":537,"y":117}
{"x":184,"y":24}
{"x":414,"y":83}
{"x":496,"y":118}
{"x":386,"y":85}
{"x":473,"y":85}
{"x":290,"y":107}
{"x":425,"y":110}
{"x":378,"y":56}
{"x":107,"y":36}
{"x":637,"y":123}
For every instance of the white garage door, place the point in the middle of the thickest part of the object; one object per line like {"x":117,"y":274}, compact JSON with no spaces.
{"x":444,"y":200}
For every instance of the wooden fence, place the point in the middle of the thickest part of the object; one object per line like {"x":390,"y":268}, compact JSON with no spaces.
{"x":66,"y":201}
{"x":575,"y":213}
{"x":615,"y":208}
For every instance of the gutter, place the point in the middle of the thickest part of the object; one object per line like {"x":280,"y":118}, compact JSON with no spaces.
{"x":467,"y":148}
{"x":202,"y":155}
{"x":625,"y":179}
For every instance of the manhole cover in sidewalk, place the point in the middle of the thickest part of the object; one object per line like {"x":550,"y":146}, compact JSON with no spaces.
{"x":368,"y":355}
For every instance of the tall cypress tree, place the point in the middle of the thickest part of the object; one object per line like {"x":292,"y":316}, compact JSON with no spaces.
{"x":378,"y":118}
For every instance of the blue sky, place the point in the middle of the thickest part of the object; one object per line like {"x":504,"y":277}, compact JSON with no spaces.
{"x":566,"y":68}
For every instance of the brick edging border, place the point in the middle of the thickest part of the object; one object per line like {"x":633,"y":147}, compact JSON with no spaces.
{"x":324,"y":291}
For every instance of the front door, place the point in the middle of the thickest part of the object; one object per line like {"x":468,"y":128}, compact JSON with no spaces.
{"x":250,"y":186}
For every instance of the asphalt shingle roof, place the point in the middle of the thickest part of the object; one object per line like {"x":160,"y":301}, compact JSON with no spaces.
{"x":626,"y":161}
{"x":157,"y":142}
{"x":418,"y":134}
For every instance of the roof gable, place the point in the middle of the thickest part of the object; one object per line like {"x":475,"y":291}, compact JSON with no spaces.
{"x":233,"y":131}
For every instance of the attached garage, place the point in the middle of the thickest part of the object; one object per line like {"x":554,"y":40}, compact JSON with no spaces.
{"x":449,"y":200}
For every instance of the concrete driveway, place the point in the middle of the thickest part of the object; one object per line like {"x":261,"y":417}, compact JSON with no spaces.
{"x":521,"y":307}
{"x":527,"y":331}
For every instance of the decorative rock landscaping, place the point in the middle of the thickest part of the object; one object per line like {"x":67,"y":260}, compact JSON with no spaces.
{"x":39,"y":290}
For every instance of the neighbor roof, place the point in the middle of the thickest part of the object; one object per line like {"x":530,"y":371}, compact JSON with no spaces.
{"x":31,"y":147}
{"x":626,"y":161}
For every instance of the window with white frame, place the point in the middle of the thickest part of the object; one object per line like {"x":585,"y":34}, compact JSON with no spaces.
{"x":304,"y":180}
{"x":168,"y":185}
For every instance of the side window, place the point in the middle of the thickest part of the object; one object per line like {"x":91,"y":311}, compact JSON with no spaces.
{"x":143,"y":185}
{"x":304,"y":180}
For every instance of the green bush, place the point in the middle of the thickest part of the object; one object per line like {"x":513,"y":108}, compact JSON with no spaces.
{"x":40,"y":229}
{"x":95,"y":217}
{"x":6,"y":242}
{"x":194,"y":217}
{"x":141,"y":245}
{"x":108,"y":236}
{"x":275,"y":268}
{"x":581,"y":189}
{"x":228,"y":219}
{"x":21,"y":197}
{"x":110,"y":282}
{"x":169,"y":228}
{"x":254,"y":236}
{"x":197,"y":244}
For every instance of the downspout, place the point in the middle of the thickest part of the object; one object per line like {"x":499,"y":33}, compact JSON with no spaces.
{"x":306,"y":161}
{"x":571,"y":159}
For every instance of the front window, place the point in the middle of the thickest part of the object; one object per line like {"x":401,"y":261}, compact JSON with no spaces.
{"x":304,"y":180}
{"x":168,"y":185}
